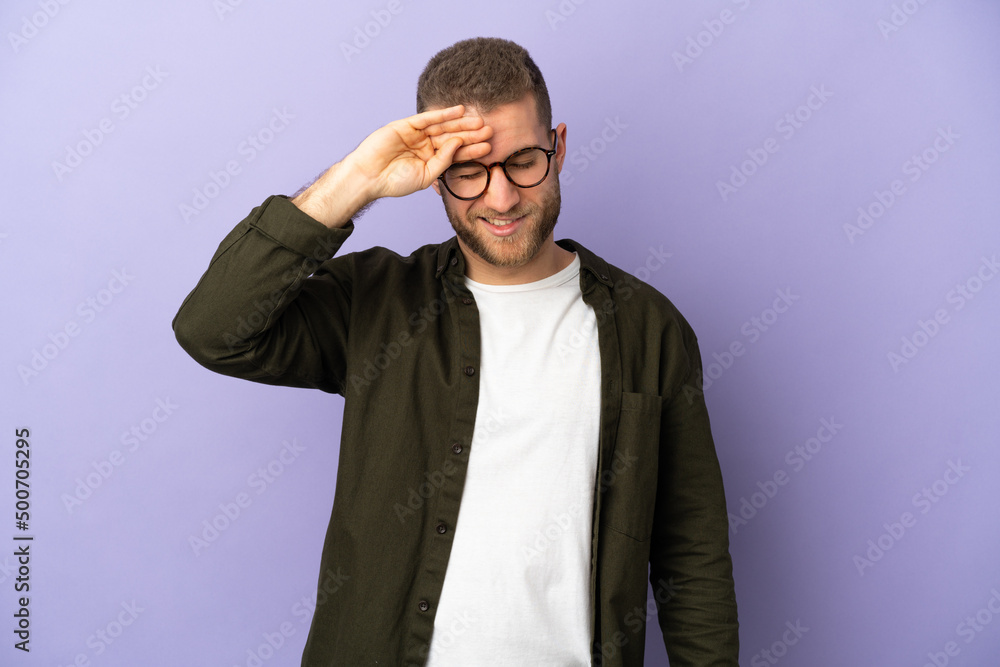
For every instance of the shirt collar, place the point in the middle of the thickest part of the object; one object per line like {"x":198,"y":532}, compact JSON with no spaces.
{"x":589,"y":262}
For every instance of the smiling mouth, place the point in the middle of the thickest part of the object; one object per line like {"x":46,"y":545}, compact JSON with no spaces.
{"x":499,"y":222}
{"x":503,"y":227}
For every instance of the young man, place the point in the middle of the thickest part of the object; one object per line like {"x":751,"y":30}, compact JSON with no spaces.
{"x":518,"y":450}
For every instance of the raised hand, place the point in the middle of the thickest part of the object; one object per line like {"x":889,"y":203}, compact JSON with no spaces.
{"x":395,"y":160}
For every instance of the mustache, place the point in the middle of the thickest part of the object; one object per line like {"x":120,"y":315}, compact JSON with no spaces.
{"x":515,"y":212}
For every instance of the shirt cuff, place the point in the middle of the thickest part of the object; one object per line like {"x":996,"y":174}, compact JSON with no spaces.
{"x":288,"y":226}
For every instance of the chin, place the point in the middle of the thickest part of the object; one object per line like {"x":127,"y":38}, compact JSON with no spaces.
{"x":507,"y":252}
{"x":519,"y":248}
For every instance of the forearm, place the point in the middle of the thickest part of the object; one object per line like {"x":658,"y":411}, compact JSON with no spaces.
{"x":340,"y":194}
{"x":238,"y":320}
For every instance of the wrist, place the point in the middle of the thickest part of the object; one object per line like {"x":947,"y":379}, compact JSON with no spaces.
{"x":336,"y":196}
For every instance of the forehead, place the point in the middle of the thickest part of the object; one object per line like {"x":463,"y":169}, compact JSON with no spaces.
{"x":515,"y":126}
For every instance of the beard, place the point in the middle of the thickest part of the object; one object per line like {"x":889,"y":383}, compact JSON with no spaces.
{"x":520,"y":247}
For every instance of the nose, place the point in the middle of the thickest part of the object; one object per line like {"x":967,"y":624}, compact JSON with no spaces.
{"x":502,"y":195}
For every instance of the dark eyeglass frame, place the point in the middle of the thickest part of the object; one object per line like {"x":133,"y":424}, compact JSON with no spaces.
{"x":503,"y":167}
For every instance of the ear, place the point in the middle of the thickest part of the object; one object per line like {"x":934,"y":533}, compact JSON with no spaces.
{"x":560,"y":155}
{"x":436,"y":184}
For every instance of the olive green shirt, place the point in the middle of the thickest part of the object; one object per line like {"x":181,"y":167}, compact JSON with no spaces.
{"x":399,"y":338}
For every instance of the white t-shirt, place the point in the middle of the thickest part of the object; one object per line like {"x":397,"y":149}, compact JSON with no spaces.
{"x":517,"y":588}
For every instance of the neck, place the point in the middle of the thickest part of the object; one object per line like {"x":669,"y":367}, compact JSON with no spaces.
{"x":549,"y":260}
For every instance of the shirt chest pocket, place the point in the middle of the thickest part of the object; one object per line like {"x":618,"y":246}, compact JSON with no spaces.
{"x":628,"y":480}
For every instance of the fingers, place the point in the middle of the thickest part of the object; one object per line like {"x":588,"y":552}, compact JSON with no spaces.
{"x":470,"y":130}
{"x":458,"y":147}
{"x":439,"y":137}
{"x":443,"y":157}
{"x":433,"y":129}
{"x":441,"y":125}
{"x":472,"y":152}
{"x":423,"y":120}
{"x":468,"y":137}
{"x":456,"y":125}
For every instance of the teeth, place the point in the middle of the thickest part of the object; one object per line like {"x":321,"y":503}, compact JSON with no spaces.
{"x":498,"y":223}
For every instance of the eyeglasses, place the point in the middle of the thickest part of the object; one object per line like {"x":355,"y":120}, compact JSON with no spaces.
{"x":526,"y":168}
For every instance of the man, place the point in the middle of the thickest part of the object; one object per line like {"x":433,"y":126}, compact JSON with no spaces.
{"x":518,"y":447}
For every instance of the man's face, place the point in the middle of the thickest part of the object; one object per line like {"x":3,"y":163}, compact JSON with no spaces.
{"x":508,"y":226}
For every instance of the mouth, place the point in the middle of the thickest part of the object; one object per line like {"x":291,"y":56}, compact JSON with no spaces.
{"x":502,"y":226}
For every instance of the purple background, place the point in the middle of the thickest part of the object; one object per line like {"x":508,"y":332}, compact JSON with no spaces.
{"x":651,"y":184}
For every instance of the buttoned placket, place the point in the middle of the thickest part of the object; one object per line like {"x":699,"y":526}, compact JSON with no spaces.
{"x":443,"y":509}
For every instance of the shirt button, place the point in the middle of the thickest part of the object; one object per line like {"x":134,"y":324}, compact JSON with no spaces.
{"x":457,"y":448}
{"x":467,"y":301}
{"x":604,"y":276}
{"x":470,"y":371}
{"x":454,"y":261}
{"x":423,"y":605}
{"x":442,"y":529}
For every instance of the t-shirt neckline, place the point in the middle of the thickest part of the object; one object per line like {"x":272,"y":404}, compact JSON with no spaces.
{"x":555,"y":280}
